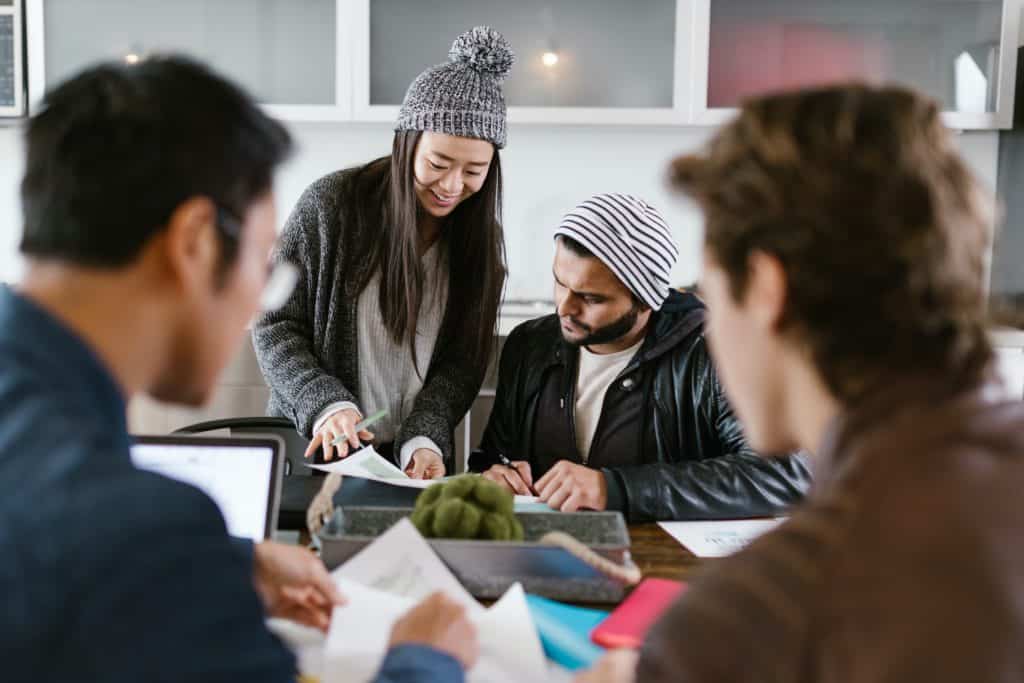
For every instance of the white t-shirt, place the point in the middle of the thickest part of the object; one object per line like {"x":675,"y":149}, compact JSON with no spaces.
{"x":595,"y":374}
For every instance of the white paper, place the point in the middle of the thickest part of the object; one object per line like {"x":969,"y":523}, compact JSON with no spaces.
{"x":531,"y":504}
{"x":360,"y":630}
{"x":357,"y":642}
{"x":388,"y":578}
{"x":307,"y":644}
{"x":510,"y":648}
{"x":366,"y":463}
{"x":402,"y":568}
{"x":718,"y":538}
{"x":402,"y":563}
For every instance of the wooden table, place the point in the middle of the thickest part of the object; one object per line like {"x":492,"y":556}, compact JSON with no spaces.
{"x":659,"y":555}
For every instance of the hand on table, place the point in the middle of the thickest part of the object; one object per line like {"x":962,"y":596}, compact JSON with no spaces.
{"x":294,"y":584}
{"x":617,"y":666}
{"x":518,"y":479}
{"x":569,"y":487}
{"x":425,"y":464}
{"x":341,"y":423}
{"x":441,"y":623}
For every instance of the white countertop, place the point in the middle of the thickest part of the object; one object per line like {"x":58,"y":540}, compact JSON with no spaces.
{"x":513,"y":313}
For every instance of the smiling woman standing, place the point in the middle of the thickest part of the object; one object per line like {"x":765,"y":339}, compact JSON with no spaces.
{"x":403,"y":265}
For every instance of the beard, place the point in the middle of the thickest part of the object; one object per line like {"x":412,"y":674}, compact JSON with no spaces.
{"x":606,"y":334}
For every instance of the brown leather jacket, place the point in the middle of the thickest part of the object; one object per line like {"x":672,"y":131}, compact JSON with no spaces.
{"x":905,"y":564}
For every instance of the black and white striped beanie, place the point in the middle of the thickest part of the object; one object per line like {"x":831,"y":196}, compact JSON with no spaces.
{"x":630,"y":237}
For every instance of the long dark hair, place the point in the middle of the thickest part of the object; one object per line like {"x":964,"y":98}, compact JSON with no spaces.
{"x":473,"y":242}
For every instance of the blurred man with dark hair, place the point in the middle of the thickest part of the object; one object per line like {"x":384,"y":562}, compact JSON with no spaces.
{"x":844,"y":271}
{"x":148,"y":224}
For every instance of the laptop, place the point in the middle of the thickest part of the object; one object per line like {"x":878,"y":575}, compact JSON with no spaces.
{"x":241,"y":474}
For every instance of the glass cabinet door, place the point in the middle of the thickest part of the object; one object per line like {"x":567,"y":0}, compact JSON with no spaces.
{"x":572,"y":53}
{"x":948,"y":49}
{"x":282,"y":51}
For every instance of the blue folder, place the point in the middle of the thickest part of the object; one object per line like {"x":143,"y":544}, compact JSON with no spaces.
{"x":565,"y":631}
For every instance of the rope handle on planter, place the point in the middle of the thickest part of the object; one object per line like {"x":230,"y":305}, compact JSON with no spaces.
{"x":321,"y":508}
{"x":627,"y":573}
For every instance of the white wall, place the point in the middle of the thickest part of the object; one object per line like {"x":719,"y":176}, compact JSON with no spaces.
{"x":548,"y":169}
{"x":11,"y":165}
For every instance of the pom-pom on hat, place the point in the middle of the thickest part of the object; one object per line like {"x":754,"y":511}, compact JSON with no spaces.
{"x":463,"y":97}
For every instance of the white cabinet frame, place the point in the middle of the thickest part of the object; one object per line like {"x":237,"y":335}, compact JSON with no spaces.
{"x":36,"y":66}
{"x":1002,"y":117}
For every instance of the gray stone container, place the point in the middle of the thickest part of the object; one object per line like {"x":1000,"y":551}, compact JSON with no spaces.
{"x":488,"y":568}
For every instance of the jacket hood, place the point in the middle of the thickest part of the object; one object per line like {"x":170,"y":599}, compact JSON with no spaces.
{"x":680,"y":316}
{"x":680,"y":302}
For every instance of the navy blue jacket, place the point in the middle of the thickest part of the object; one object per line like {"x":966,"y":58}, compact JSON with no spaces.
{"x":108,"y":572}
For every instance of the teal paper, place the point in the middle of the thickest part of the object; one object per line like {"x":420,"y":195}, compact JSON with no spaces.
{"x":565,"y":631}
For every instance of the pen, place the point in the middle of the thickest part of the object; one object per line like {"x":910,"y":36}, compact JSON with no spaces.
{"x":361,"y":425}
{"x":508,"y":463}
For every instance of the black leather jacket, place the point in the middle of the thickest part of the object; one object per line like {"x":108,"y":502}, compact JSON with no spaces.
{"x":691,"y":461}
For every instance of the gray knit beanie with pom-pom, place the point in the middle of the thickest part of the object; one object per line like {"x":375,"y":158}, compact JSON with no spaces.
{"x":463,"y":96}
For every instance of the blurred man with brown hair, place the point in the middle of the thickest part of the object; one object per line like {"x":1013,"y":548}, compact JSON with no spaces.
{"x":844,"y":273}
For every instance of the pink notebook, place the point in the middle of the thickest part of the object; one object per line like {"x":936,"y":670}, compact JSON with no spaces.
{"x":628,"y":624}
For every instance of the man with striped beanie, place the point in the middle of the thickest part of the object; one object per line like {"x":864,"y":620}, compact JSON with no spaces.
{"x":612,"y":403}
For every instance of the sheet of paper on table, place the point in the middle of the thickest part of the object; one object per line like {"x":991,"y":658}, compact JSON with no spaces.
{"x":367,"y":463}
{"x":388,"y":578}
{"x":719,"y":538}
{"x":401,"y":562}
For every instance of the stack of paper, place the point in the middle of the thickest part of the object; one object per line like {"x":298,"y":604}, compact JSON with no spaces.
{"x":366,"y":463}
{"x":388,"y":578}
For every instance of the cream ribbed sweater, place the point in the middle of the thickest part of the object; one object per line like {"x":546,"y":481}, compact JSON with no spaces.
{"x":387,"y":377}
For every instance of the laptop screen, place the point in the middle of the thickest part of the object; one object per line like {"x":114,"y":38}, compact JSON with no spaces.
{"x":241,"y":475}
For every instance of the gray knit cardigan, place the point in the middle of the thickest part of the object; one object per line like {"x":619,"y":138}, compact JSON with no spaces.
{"x":307,"y":349}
